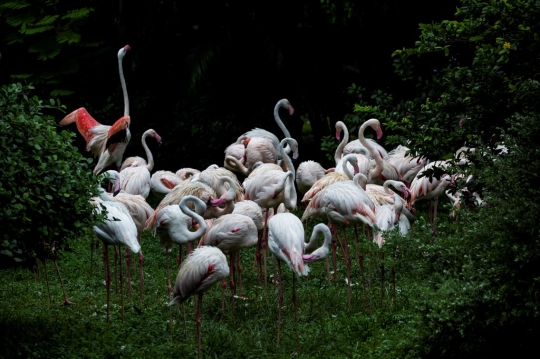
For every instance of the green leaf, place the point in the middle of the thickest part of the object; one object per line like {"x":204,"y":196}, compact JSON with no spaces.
{"x":78,"y":13}
{"x":68,"y":36}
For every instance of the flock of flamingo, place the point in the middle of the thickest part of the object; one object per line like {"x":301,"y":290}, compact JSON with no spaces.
{"x":368,"y":186}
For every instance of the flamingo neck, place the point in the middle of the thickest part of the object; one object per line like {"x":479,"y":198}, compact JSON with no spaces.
{"x":375,"y":172}
{"x":124,"y":87}
{"x":233,"y":163}
{"x":288,"y":162}
{"x":278,"y":119}
{"x":150,"y":159}
{"x":190,"y":236}
{"x":339,"y":150}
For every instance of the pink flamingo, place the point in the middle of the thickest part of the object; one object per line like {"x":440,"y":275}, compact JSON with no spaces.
{"x":136,"y":180}
{"x":231,"y":233}
{"x":203,"y":268}
{"x":309,"y":172}
{"x":106,"y":142}
{"x":286,"y":242}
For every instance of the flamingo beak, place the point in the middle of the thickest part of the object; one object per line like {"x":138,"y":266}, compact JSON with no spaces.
{"x":291,"y":110}
{"x":158,"y":139}
{"x":356,"y":169}
{"x":338,"y":135}
{"x":295,"y":155}
{"x":379,"y":133}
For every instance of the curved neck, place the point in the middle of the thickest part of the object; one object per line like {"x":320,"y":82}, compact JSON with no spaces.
{"x":227,"y":198}
{"x":360,"y":180}
{"x":374,"y":172}
{"x":235,"y":165}
{"x":104,"y":195}
{"x":202,"y":224}
{"x":318,"y":229}
{"x":398,"y":206}
{"x":388,"y":183}
{"x":289,"y":194}
{"x":293,"y":145}
{"x":349,"y":159}
{"x":339,"y":150}
{"x":124,"y":88}
{"x":278,"y":119}
{"x":149,"y":158}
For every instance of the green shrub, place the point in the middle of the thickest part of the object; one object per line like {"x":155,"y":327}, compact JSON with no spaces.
{"x":45,"y":183}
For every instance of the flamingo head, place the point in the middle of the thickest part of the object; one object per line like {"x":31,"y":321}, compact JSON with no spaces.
{"x":123,"y":50}
{"x":157,"y":137}
{"x":287,"y":105}
{"x":356,"y":168}
{"x":406,"y":192}
{"x":245,"y":142}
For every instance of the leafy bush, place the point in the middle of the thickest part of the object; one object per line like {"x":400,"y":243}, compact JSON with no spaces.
{"x":45,"y":183}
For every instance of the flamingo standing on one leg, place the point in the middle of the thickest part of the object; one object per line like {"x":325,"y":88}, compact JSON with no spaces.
{"x":286,"y":242}
{"x":106,"y":142}
{"x":203,"y":268}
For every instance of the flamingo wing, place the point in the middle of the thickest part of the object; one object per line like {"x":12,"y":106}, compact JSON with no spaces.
{"x":118,"y":133}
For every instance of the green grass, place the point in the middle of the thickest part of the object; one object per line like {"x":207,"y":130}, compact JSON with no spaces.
{"x":35,"y":327}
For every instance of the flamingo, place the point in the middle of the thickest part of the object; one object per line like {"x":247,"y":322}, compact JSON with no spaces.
{"x":106,"y":142}
{"x":257,"y":149}
{"x":406,"y":165}
{"x":202,"y":191}
{"x":388,"y":216}
{"x":139,"y":211}
{"x":257,"y":132}
{"x":273,"y":187}
{"x":332,"y":177}
{"x":203,"y":268}
{"x":231,"y":233}
{"x":211,"y":176}
{"x":309,"y":172}
{"x":173,"y":225}
{"x":136,"y":180}
{"x":286,"y":242}
{"x":162,"y":182}
{"x":117,"y":229}
{"x":187,"y":173}
{"x":364,"y":163}
{"x":423,"y":187}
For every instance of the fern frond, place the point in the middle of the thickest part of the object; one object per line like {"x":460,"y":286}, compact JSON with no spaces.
{"x":68,"y":36}
{"x":27,"y":30}
{"x":15,"y":5}
{"x":47,"y":20}
{"x":21,"y":76}
{"x":78,"y":13}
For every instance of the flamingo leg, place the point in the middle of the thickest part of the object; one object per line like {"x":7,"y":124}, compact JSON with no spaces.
{"x":121,"y":286}
{"x":169,"y":288}
{"x":128,"y":270}
{"x":141,"y":276}
{"x":334,"y":249}
{"x":295,"y":307}
{"x":66,"y":300}
{"x":239,"y":269}
{"x":280,"y":302}
{"x":345,"y":250}
{"x":107,"y":277}
{"x":198,"y":320}
{"x":263,"y":245}
{"x":232,"y":284}
{"x":115,"y":270}
{"x":382,"y":277}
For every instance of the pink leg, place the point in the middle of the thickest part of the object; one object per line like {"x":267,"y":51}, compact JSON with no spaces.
{"x":334,"y":249}
{"x":295,"y":307}
{"x":198,"y":320}
{"x":141,"y":276}
{"x":66,"y":300}
{"x":345,"y":250}
{"x":433,"y":225}
{"x":121,"y":286}
{"x":233,"y":279}
{"x":107,"y":276}
{"x":128,"y":270}
{"x":280,"y":302}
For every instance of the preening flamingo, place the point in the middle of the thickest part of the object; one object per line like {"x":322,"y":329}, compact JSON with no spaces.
{"x":231,"y":233}
{"x":390,"y":216}
{"x":286,"y":242}
{"x":106,"y":142}
{"x":162,"y":182}
{"x":203,"y":268}
{"x":117,"y":229}
{"x":136,"y":180}
{"x":211,"y":176}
